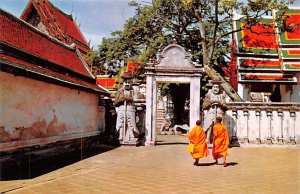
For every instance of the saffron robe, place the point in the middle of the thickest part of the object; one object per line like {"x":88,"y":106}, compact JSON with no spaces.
{"x":221,"y":141}
{"x":198,"y":138}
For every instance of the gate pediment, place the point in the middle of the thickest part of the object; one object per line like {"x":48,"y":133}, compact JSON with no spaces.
{"x":174,"y":57}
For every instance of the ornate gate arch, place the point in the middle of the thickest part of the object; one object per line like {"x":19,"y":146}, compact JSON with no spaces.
{"x":173,"y":65}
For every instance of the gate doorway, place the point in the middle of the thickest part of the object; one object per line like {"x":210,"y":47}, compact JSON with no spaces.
{"x":172,"y":116}
{"x":173,"y":65}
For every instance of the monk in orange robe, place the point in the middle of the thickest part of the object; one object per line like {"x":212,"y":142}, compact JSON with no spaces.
{"x":221,"y":141}
{"x":198,"y":138}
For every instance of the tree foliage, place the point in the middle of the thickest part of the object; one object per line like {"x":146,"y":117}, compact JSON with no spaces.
{"x":201,"y":26}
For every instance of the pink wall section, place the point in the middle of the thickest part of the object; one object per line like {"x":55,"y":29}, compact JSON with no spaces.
{"x":34,"y":112}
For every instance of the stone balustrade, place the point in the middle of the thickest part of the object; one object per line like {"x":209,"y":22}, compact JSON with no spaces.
{"x":263,"y":123}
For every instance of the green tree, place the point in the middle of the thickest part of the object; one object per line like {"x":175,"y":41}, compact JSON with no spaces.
{"x":201,"y":26}
{"x":94,"y":63}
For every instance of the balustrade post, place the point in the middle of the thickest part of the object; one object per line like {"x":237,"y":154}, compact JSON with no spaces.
{"x":258,"y":119}
{"x":246,"y":116}
{"x":293,"y":128}
{"x":280,"y":114}
{"x":269,"y":115}
{"x":234,"y":140}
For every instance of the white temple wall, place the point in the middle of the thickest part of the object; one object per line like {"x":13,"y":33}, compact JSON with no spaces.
{"x":35,"y":113}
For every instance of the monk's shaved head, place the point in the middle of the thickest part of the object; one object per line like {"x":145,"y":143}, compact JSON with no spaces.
{"x":219,"y":119}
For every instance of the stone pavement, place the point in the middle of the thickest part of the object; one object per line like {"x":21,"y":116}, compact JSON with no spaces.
{"x":168,"y":168}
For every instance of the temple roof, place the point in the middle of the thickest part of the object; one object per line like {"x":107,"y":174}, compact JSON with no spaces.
{"x":291,"y":35}
{"x":265,"y":47}
{"x":107,"y":82}
{"x":25,"y":48}
{"x":132,"y":66}
{"x":115,"y":82}
{"x":56,"y":23}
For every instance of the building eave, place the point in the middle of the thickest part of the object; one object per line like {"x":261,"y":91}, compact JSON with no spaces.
{"x":41,"y":75}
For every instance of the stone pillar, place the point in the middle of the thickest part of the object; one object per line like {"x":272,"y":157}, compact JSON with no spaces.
{"x":154,"y":110}
{"x":293,"y":126}
{"x":149,"y":109}
{"x":269,"y":115}
{"x":234,"y":140}
{"x":280,"y":115}
{"x":246,"y":116}
{"x":194,"y":100}
{"x":258,"y":119}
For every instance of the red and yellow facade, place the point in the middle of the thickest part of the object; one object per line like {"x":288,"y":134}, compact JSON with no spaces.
{"x":265,"y":52}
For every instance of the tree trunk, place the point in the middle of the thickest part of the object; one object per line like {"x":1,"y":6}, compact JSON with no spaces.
{"x":208,"y":69}
{"x":225,"y":85}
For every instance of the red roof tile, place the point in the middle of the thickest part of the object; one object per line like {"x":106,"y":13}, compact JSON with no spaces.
{"x":265,"y":47}
{"x":24,"y":37}
{"x":259,"y":36}
{"x":24,"y":47}
{"x":265,"y":76}
{"x":293,"y":23}
{"x":70,"y":26}
{"x":57,"y":23}
{"x":256,"y":63}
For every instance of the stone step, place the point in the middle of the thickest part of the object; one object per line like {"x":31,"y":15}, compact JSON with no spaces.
{"x":160,"y":118}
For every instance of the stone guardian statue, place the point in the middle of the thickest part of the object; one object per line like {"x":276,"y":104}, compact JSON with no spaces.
{"x":126,"y":122}
{"x":214,"y":104}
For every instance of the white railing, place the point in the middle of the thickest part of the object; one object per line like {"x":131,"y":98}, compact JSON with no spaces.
{"x":263,"y":123}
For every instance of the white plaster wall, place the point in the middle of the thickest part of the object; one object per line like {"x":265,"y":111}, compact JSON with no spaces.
{"x":295,"y":94}
{"x":295,"y":97}
{"x":243,"y":92}
{"x":34,"y":112}
{"x":285,"y":94}
{"x":290,"y":93}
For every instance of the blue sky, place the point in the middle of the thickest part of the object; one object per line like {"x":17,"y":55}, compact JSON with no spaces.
{"x":97,"y":18}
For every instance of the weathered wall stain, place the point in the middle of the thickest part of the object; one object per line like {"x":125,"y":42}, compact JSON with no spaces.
{"x":24,"y":133}
{"x":40,"y":126}
{"x":4,"y":136}
{"x":40,"y":129}
{"x":55,"y":128}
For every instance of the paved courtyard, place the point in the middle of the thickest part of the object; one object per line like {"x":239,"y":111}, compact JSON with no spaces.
{"x":168,"y":168}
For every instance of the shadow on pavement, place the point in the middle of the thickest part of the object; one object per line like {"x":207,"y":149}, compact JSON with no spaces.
{"x":29,"y":166}
{"x":171,"y":140}
{"x":170,"y":143}
{"x":220,"y":164}
{"x":229,"y":164}
{"x":232,"y":164}
{"x":206,"y":164}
